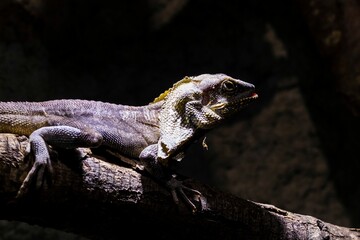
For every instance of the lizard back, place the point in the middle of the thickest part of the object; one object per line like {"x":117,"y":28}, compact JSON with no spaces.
{"x":26,"y":117}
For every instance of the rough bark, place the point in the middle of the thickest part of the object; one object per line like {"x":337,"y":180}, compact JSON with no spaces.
{"x":102,"y":200}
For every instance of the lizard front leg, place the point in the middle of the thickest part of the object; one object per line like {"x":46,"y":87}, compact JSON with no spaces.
{"x":58,"y":136}
{"x":148,"y":158}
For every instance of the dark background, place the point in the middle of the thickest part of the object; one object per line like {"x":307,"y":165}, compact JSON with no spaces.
{"x":296,"y":147}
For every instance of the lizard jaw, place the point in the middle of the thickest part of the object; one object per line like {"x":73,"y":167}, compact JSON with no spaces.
{"x":246,"y":100}
{"x":241,"y":103}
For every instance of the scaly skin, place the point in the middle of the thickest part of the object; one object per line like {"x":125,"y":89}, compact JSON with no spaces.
{"x":157,"y":134}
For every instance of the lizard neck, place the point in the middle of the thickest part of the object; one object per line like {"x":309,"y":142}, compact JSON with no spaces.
{"x":147,"y":114}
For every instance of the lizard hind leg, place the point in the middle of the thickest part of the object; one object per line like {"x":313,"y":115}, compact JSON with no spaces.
{"x":58,"y":136}
{"x":41,"y":168}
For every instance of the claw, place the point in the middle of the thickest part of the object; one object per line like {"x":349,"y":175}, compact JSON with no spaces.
{"x":174,"y":196}
{"x":176,"y":187}
{"x":187,"y":200}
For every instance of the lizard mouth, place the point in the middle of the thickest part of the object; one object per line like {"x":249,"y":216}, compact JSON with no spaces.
{"x":241,"y":102}
{"x":248,"y":99}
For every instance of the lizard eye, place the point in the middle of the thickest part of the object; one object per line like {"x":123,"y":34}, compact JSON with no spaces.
{"x":228,"y":86}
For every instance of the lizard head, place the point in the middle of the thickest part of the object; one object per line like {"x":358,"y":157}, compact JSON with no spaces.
{"x":223,"y":94}
{"x":199,"y":102}
{"x":220,"y":94}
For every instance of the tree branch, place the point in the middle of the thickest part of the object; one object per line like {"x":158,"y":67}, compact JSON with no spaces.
{"x":102,"y":200}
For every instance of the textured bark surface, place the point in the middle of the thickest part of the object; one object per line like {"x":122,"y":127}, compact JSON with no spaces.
{"x":98,"y":199}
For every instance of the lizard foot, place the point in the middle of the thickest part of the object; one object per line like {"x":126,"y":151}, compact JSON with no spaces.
{"x":39,"y":174}
{"x":176,"y":186}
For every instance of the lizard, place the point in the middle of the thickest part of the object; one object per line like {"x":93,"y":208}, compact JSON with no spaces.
{"x":156,"y":134}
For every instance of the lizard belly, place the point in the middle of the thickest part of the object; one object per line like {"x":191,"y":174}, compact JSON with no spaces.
{"x":128,"y":139}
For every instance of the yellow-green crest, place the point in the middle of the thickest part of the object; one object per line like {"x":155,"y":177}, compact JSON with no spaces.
{"x":163,"y":95}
